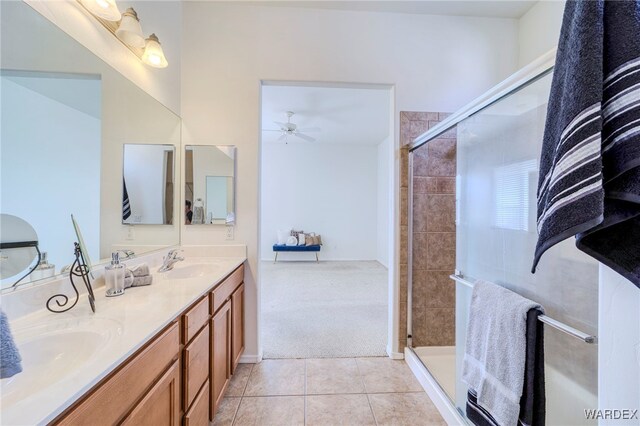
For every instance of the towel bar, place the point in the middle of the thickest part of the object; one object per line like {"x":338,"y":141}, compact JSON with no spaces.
{"x":587,"y":338}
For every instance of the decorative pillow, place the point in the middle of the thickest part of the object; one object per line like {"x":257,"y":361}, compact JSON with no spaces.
{"x":295,"y":233}
{"x":292,"y":241}
{"x":318,"y":240}
{"x":301,"y":239}
{"x":310,"y":240}
{"x":283,"y":236}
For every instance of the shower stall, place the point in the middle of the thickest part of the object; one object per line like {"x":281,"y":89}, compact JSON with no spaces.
{"x":471,"y":204}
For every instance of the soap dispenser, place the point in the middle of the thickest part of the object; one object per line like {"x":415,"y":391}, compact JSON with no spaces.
{"x":114,"y":276}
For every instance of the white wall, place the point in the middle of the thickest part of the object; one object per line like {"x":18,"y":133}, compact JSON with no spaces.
{"x":539,"y":30}
{"x":328,"y":189}
{"x":160,"y":17}
{"x":49,"y":147}
{"x":436,"y":63}
{"x":383,"y":206}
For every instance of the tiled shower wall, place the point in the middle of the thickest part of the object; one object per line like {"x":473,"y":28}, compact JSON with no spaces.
{"x":434,"y":233}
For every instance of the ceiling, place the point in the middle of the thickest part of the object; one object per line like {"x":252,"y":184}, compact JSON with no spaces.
{"x":345,"y":115}
{"x":483,"y":8}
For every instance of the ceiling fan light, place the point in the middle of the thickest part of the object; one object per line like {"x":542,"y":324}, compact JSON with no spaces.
{"x":105,"y":9}
{"x":153,"y":54}
{"x":129,"y":30}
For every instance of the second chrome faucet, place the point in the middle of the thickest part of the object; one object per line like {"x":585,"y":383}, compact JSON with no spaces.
{"x":170,"y":259}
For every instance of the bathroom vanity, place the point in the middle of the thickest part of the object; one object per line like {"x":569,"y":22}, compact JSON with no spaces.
{"x":160,"y":354}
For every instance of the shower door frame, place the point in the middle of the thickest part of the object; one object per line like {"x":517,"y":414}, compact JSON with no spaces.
{"x":525,"y":76}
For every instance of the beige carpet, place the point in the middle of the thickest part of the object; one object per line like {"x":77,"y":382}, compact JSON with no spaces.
{"x":324,"y":310}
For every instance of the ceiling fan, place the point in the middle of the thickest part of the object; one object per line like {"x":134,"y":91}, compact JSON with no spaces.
{"x":291,"y":129}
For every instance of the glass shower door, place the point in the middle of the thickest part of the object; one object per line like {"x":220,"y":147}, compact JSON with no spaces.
{"x":498,"y":150}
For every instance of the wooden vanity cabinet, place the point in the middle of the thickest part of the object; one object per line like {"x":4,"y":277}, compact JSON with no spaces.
{"x":237,"y":326}
{"x":181,"y":374}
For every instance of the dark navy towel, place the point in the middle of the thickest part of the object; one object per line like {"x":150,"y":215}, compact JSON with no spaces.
{"x":589,"y":182}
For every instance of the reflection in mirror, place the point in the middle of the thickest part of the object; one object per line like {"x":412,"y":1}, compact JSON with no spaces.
{"x":147,"y":193}
{"x":209,"y":184}
{"x":18,"y":250}
{"x":63,"y":126}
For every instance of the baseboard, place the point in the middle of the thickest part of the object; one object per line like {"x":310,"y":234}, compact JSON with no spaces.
{"x":440,"y":399}
{"x":394,"y":355}
{"x":250,"y":359}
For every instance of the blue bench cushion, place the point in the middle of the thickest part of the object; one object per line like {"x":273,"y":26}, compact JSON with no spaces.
{"x":282,"y":247}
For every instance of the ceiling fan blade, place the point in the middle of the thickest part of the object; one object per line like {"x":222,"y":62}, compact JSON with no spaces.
{"x":281,"y":124}
{"x":305,"y":137}
{"x":282,"y":137}
{"x":310,"y":129}
{"x":271,"y":130}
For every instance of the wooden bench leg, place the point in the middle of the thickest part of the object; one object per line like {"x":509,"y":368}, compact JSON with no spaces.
{"x":276,"y":259}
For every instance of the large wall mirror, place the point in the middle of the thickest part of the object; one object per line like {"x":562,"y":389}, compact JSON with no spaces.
{"x":209,"y":184}
{"x":67,"y":118}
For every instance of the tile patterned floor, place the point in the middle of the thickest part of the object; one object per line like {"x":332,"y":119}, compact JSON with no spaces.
{"x":326,"y":392}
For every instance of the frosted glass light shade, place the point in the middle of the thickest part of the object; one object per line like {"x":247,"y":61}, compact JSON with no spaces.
{"x":153,"y":54}
{"x":130,"y":31}
{"x":105,"y":9}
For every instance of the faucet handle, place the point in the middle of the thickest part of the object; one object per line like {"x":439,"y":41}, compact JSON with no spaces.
{"x":173,"y":254}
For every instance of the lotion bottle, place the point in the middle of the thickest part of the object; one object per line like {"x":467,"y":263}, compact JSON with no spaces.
{"x":114,"y":276}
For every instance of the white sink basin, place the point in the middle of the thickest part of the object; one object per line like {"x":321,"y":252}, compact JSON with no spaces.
{"x":52,"y":352}
{"x":191,"y":270}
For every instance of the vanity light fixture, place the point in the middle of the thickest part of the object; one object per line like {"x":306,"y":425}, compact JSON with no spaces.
{"x":105,"y":9}
{"x":153,"y":54}
{"x":127,"y":29}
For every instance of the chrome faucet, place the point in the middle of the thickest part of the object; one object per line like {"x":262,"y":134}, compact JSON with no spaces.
{"x":169,"y":260}
{"x":128,"y":254}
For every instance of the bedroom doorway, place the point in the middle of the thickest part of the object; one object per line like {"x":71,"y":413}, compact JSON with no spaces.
{"x":326,"y":219}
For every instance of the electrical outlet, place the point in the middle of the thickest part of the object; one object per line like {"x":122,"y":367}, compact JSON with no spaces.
{"x":131,"y":233}
{"x":229,"y":232}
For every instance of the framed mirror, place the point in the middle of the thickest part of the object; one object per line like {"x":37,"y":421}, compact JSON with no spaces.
{"x":209,"y":185}
{"x":147,"y":184}
{"x":64,"y":125}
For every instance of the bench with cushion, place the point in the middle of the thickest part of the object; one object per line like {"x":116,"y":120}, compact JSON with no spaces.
{"x":282,"y":247}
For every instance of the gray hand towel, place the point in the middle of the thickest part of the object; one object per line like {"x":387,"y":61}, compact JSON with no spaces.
{"x":589,"y":181}
{"x":141,"y":270}
{"x":131,"y":280}
{"x":496,"y":350}
{"x":10,"y":359}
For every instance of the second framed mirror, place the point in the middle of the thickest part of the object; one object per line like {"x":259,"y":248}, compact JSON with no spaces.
{"x":210,"y":184}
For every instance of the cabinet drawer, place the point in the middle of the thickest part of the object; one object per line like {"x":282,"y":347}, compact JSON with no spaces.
{"x":226,"y":288}
{"x":196,"y":365}
{"x":161,"y":405}
{"x":198,"y":414}
{"x":108,"y":404}
{"x":194,"y":319}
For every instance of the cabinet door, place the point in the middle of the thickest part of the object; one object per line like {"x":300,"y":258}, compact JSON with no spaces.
{"x":196,"y":365}
{"x":161,"y":405}
{"x":237,"y":326}
{"x":220,"y":354}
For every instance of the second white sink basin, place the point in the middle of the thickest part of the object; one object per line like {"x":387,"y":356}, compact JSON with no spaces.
{"x":191,"y":270}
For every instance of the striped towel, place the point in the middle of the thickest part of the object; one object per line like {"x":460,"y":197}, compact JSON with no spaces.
{"x":589,"y":183}
{"x":126,"y":207}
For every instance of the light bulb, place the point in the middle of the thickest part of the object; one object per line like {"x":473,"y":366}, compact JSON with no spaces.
{"x":129,"y":30}
{"x":105,"y":9}
{"x":153,"y":54}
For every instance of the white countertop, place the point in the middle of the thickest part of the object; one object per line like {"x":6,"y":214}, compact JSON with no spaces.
{"x":81,"y":348}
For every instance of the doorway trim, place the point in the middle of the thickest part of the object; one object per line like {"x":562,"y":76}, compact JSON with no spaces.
{"x":393,"y":348}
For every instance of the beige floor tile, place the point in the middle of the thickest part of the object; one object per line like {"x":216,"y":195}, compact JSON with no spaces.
{"x":226,"y":412}
{"x":333,"y":375}
{"x":387,"y":375}
{"x":239,"y":380}
{"x":271,"y":411}
{"x":398,"y":409}
{"x":334,"y":410}
{"x":276,"y":377}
